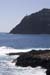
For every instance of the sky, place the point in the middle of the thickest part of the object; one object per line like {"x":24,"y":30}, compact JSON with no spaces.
{"x":13,"y":11}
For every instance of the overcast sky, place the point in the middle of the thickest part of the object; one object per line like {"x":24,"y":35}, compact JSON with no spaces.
{"x":12,"y":11}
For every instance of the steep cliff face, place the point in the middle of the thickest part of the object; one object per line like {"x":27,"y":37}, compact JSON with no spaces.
{"x":36,"y":23}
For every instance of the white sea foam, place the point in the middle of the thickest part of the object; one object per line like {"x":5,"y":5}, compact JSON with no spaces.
{"x":15,"y":70}
{"x":30,"y":71}
{"x":5,"y":50}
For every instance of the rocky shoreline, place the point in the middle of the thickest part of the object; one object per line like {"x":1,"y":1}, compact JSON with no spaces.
{"x":33,"y":58}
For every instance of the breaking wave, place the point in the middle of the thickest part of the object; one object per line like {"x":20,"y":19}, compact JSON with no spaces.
{"x":9,"y":68}
{"x":4,"y":50}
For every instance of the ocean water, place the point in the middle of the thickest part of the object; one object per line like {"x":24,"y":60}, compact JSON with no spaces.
{"x":17,"y":43}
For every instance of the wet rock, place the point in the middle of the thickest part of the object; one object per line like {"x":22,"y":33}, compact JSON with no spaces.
{"x":33,"y":58}
{"x":48,"y":72}
{"x":29,"y":60}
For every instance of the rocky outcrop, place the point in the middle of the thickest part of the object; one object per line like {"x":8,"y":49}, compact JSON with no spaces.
{"x":28,"y":60}
{"x":36,"y":23}
{"x":33,"y":58}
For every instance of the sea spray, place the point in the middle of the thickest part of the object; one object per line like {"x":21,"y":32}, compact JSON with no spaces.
{"x":9,"y":68}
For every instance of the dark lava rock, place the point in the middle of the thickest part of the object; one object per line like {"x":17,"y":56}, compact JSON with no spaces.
{"x":36,"y":23}
{"x":28,"y":60}
{"x":34,"y":58}
{"x":48,"y":72}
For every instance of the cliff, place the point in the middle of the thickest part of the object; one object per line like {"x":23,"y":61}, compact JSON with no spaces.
{"x":36,"y":23}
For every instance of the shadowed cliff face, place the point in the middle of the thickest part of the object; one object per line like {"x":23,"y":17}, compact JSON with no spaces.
{"x":36,"y":23}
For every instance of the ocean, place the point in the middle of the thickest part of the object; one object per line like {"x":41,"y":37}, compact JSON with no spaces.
{"x":21,"y":43}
